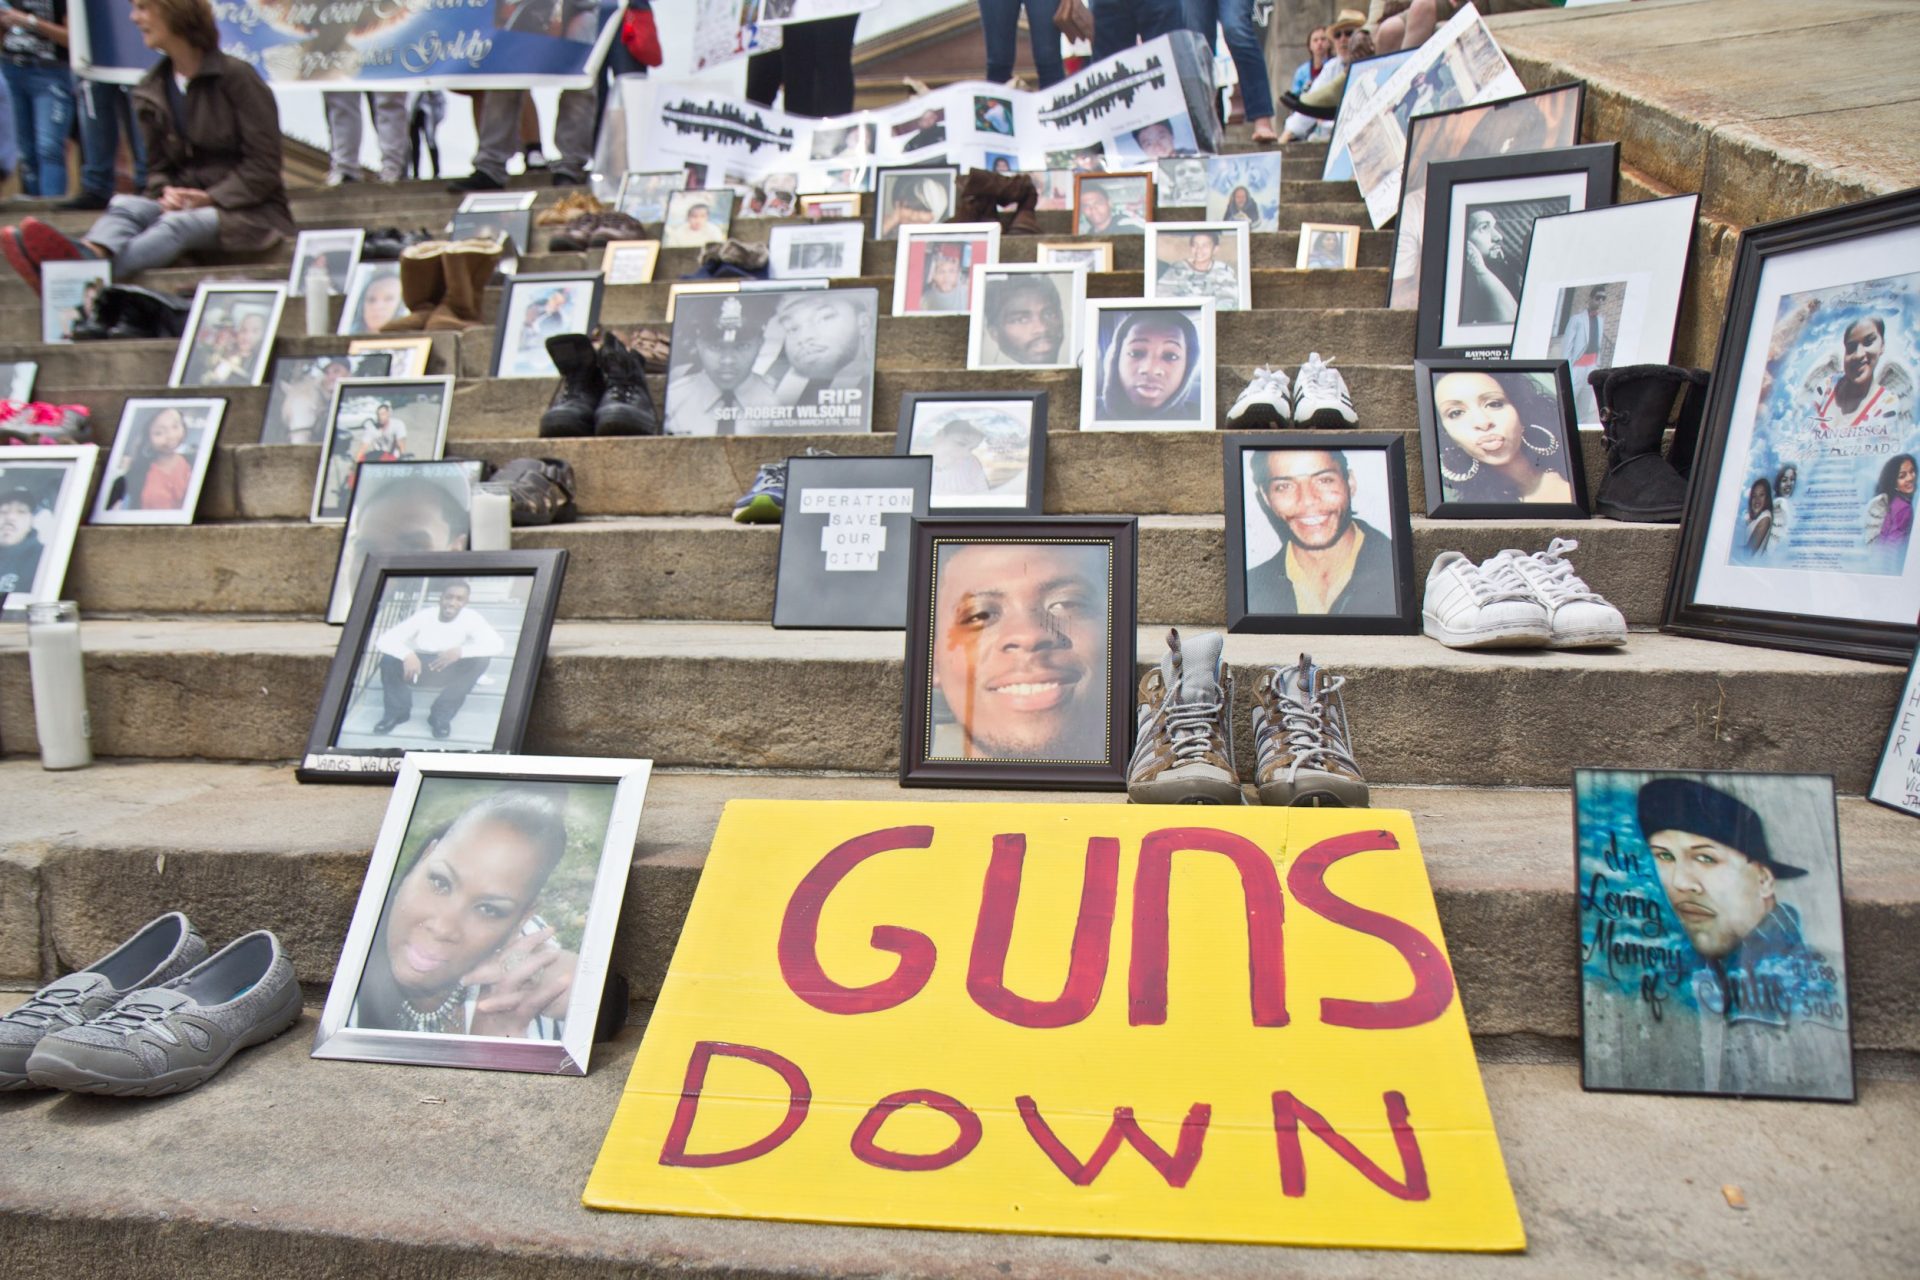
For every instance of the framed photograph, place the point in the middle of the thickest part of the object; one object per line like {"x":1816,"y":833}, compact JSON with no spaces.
{"x":67,"y":291}
{"x":43,"y":494}
{"x":1328,"y":246}
{"x":1020,"y":653}
{"x":989,"y":448}
{"x":1200,"y":260}
{"x":496,"y":201}
{"x":1547,"y":120}
{"x":229,"y":335}
{"x":629,"y":261}
{"x":338,"y":251}
{"x":536,"y":851}
{"x":845,"y":543}
{"x":1896,"y":782}
{"x":377,"y":420}
{"x":831,"y":204}
{"x":514,"y":226}
{"x":1096,"y":256}
{"x":643,"y":196}
{"x":1026,"y":317}
{"x":535,"y":308}
{"x":773,"y":362}
{"x":1244,"y":188}
{"x":1149,"y":365}
{"x":933,"y":266}
{"x":1319,"y":538}
{"x":440,"y":653}
{"x":373,"y":298}
{"x":696,"y":219}
{"x":1497,"y":439}
{"x":1712,"y":949}
{"x":1480,"y":216}
{"x":17,"y":378}
{"x":159,"y":461}
{"x":819,"y":251}
{"x":402,"y":508}
{"x":1602,"y":288}
{"x":912,"y":197}
{"x":300,"y":391}
{"x":1799,"y":529}
{"x":1112,"y":204}
{"x":409,"y":356}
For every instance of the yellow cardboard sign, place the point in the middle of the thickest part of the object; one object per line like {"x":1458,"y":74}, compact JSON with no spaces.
{"x":1190,"y":1024}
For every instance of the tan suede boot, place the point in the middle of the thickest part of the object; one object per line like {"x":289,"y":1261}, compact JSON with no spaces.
{"x":470,"y":264}
{"x":423,"y":283}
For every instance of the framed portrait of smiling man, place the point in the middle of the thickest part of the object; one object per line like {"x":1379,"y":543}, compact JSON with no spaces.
{"x":1712,"y":951}
{"x":1319,"y":540}
{"x":485,"y":924}
{"x":1026,"y":316}
{"x":1020,"y":653}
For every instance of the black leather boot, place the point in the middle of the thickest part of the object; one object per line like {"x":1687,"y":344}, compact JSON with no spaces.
{"x":146,"y":313}
{"x":627,"y":407}
{"x":571,"y":412}
{"x":1636,"y":404}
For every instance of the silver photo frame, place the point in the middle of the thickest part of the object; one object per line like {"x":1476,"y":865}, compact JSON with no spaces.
{"x":206,"y":357}
{"x":423,"y":434}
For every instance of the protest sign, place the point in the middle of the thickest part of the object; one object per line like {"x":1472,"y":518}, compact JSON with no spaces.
{"x":725,"y":29}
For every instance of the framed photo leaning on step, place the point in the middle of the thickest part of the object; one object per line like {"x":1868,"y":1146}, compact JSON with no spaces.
{"x":337,"y":251}
{"x":1112,"y":204}
{"x":1497,"y":440}
{"x":845,"y":542}
{"x":401,"y":508}
{"x":440,"y":653}
{"x":229,"y":335}
{"x":989,"y":448}
{"x":643,"y":196}
{"x":535,"y":308}
{"x":1026,"y":316}
{"x":815,"y":251}
{"x":1319,"y":540}
{"x":377,"y":420}
{"x":159,"y":461}
{"x":1200,"y":260}
{"x":1149,"y":365}
{"x":1020,"y":653}
{"x":911,"y":198}
{"x":1327,"y":246}
{"x":373,"y":298}
{"x":43,"y":494}
{"x":409,"y":355}
{"x":629,"y":261}
{"x":933,"y":266}
{"x":1799,"y":531}
{"x":485,"y":924}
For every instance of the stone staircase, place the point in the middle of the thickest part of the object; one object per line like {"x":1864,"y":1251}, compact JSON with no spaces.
{"x":206,"y":657}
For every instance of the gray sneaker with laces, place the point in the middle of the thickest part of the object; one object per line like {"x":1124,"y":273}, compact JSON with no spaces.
{"x":169,"y":1038}
{"x":1304,"y":753}
{"x":1183,"y":752}
{"x":162,"y":950}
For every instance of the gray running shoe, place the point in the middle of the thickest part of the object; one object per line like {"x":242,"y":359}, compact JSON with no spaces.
{"x":1304,"y":753}
{"x":163,"y":950}
{"x":170,"y":1038}
{"x":1183,"y":753}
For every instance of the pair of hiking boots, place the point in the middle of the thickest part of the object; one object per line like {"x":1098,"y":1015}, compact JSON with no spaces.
{"x":603,"y":390}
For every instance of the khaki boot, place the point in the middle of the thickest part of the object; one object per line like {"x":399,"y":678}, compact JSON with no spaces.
{"x":470,"y":265}
{"x":423,"y":284}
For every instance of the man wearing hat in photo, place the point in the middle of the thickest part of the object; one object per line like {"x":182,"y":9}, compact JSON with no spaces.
{"x":945,"y":287}
{"x":711,"y":395}
{"x":20,"y":546}
{"x":914,"y":201}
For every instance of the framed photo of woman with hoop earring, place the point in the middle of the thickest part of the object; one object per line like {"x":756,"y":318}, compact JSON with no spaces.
{"x":1497,"y":439}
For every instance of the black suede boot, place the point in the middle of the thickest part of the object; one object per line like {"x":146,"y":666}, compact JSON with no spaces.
{"x":146,"y":313}
{"x":1686,"y":428}
{"x":571,"y":411}
{"x":1636,"y":403}
{"x":627,"y":407}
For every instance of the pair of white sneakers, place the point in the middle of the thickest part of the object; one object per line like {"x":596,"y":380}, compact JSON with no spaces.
{"x":1317,"y":398}
{"x":1517,"y":601}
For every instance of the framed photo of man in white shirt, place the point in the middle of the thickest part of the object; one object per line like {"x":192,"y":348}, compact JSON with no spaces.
{"x":440,"y":653}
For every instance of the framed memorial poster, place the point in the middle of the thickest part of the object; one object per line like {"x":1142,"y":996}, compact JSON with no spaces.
{"x":1896,"y":781}
{"x":338,"y":253}
{"x":772,"y":362}
{"x":824,"y":251}
{"x":1026,"y":316}
{"x":1020,"y":653}
{"x":229,"y":335}
{"x":845,"y":542}
{"x":1497,"y":439}
{"x":159,"y":461}
{"x":989,"y":448}
{"x":401,"y":508}
{"x":1149,"y":365}
{"x":1112,"y":204}
{"x":1200,"y":260}
{"x":933,"y":268}
{"x":43,"y":494}
{"x":535,"y":308}
{"x":300,"y":391}
{"x":911,"y":198}
{"x":377,"y":420}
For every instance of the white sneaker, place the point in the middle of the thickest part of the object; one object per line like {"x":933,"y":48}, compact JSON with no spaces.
{"x":1579,"y":616}
{"x":1268,"y":398}
{"x":1321,"y":398}
{"x":1469,"y":608}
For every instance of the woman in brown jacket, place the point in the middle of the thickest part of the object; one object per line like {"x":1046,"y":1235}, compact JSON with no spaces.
{"x":213,"y":159}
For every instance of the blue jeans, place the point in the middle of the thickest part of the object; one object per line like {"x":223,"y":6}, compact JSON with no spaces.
{"x":43,"y":115}
{"x":102,"y":107}
{"x":1000,"y":22}
{"x":1235,"y":18}
{"x":1120,"y":24}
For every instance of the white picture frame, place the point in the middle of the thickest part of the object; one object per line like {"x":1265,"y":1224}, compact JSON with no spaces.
{"x":363,"y":316}
{"x":963,"y":244}
{"x":423,"y":435}
{"x":1119,"y":398}
{"x":1327,"y":246}
{"x":66,"y":294}
{"x":1896,"y":779}
{"x":497,"y":201}
{"x":987,"y":317}
{"x":832,"y":250}
{"x":1232,"y":248}
{"x":43,"y":494}
{"x":130,"y":464}
{"x":629,"y":261}
{"x":347,"y":241}
{"x":198,"y":360}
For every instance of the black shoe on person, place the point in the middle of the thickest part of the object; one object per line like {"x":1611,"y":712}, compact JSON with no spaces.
{"x":86,"y":201}
{"x":388,"y":726}
{"x":440,"y":730}
{"x":476,"y":181}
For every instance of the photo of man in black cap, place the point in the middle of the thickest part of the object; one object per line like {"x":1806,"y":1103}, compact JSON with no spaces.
{"x":711,"y":393}
{"x":20,"y":545}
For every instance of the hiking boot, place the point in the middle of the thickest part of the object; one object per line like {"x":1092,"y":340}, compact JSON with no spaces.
{"x":1636,"y":403}
{"x":1468,"y":607}
{"x":169,"y":1038}
{"x":571,"y":411}
{"x":163,"y":950}
{"x":1303,"y":753}
{"x":626,"y":407}
{"x":1320,"y":396}
{"x":1267,"y":401}
{"x":1577,"y":615}
{"x":1183,"y":753}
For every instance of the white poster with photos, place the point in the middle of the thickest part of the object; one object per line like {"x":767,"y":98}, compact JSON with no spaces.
{"x":1200,"y":260}
{"x":1026,"y":316}
{"x":820,"y":251}
{"x":159,"y":461}
{"x":1149,"y":365}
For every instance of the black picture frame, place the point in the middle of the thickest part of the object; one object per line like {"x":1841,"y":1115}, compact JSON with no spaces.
{"x":809,"y":590}
{"x":325,"y":761}
{"x":1902,"y":732}
{"x":911,"y":404}
{"x":888,"y":177}
{"x":921,"y":764}
{"x":543,"y":284}
{"x":1242,"y":615}
{"x":1799,"y":623}
{"x":1599,"y":162}
{"x":1441,"y":484}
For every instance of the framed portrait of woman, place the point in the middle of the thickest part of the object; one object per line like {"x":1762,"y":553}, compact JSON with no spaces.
{"x":1799,"y":529}
{"x":1020,"y":653}
{"x":159,"y":461}
{"x":1497,"y":439}
{"x":373,"y":298}
{"x":485,"y":924}
{"x":1149,"y":365}
{"x":229,"y":335}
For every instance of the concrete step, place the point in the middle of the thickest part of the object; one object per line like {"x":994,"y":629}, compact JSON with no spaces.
{"x":741,"y":695}
{"x":706,"y":568}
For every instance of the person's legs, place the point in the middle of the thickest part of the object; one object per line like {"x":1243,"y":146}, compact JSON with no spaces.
{"x":1000,"y":27}
{"x":1249,"y":58}
{"x":343,"y":137}
{"x":460,"y":678}
{"x":1422,"y":17}
{"x":1048,"y":66}
{"x":125,"y":218}
{"x":390,"y":128}
{"x":99,"y":137}
{"x":396,"y":696}
{"x":573,"y":133}
{"x":765,"y":74}
{"x":1158,"y":17}
{"x":1115,"y":27}
{"x":162,"y":244}
{"x":824,"y":48}
{"x":499,"y":132}
{"x":50,"y":107}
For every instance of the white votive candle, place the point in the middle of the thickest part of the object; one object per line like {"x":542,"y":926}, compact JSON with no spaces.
{"x":315,"y":288}
{"x":59,"y":685}
{"x":492,"y":518}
